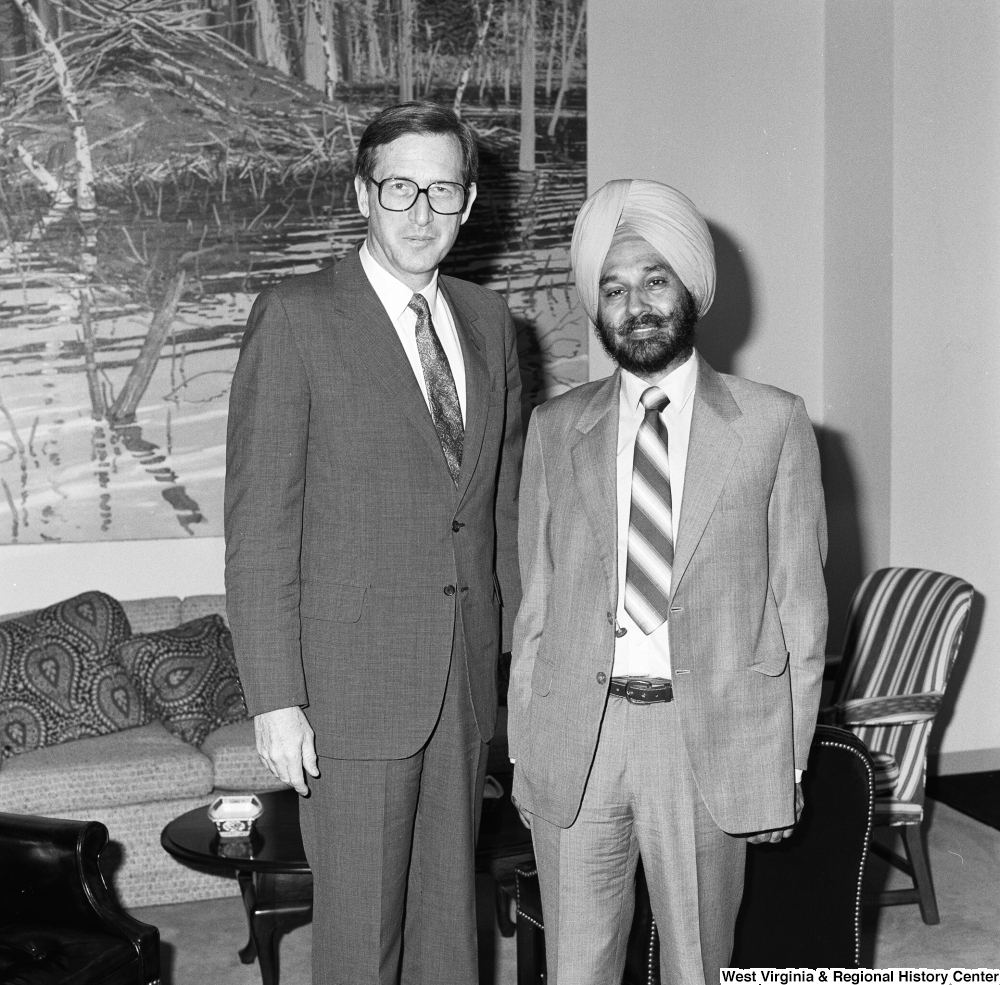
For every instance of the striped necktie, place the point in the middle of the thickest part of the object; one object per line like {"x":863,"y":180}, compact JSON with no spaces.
{"x":442,"y":393}
{"x":650,"y":525}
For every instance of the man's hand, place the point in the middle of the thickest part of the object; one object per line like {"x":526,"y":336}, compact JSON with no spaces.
{"x":773,"y":837}
{"x":286,"y":746}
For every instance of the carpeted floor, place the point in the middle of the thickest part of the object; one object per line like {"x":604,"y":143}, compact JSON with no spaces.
{"x":200,"y":940}
{"x":965,"y":867}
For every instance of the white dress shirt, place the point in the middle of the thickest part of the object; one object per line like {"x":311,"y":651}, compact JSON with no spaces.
{"x":395,"y":297}
{"x":638,"y":655}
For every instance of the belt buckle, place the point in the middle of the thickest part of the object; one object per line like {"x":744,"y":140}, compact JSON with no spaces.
{"x":636,"y":690}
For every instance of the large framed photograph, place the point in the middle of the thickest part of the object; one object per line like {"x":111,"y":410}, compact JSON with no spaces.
{"x":161,"y":162}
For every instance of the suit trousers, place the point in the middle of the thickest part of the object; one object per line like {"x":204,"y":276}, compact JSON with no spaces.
{"x":392,"y":849}
{"x":641,"y":799}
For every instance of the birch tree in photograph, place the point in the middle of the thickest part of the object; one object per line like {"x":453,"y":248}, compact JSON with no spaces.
{"x":79,"y":291}
{"x":406,"y":86}
{"x":431,"y":62}
{"x":271,"y":39}
{"x":77,"y":288}
{"x":319,"y":20}
{"x":550,"y":66}
{"x":567,"y":67}
{"x":47,"y":181}
{"x":564,"y":32}
{"x":12,"y":40}
{"x":526,"y":159}
{"x":48,"y":14}
{"x":124,"y":408}
{"x":509,"y":49}
{"x":84,"y":165}
{"x":343,"y":26}
{"x":482,"y":29}
{"x":376,"y":67}
{"x":293,"y":31}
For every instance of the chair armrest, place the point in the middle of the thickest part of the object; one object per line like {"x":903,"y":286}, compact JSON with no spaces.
{"x":52,"y":877}
{"x":903,"y":709}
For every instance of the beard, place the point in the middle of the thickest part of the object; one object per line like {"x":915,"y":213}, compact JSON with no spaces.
{"x":647,"y":357}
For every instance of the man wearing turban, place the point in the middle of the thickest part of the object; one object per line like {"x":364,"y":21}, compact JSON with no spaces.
{"x":669,"y":649}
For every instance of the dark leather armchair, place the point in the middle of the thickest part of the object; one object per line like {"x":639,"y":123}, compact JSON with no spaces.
{"x":59,"y":922}
{"x":802,"y":898}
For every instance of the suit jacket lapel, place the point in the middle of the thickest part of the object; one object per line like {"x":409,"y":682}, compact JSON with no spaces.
{"x":712,"y":449}
{"x":477,"y":386}
{"x":375,"y":340}
{"x":594,"y":455}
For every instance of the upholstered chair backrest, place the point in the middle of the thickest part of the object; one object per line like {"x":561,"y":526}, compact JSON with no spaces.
{"x":904,"y":629}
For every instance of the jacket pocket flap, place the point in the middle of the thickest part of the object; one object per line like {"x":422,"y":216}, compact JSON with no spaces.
{"x":332,"y":600}
{"x":772,"y":666}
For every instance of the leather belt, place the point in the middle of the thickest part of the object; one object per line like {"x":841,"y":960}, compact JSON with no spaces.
{"x":640,"y":691}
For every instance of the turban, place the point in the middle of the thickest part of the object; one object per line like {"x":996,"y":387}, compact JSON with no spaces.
{"x":663,"y":217}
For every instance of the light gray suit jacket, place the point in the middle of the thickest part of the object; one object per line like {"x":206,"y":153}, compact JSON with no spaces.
{"x":348,"y":546}
{"x":748,"y":617}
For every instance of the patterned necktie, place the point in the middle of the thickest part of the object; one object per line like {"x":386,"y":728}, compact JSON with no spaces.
{"x":441,"y":391}
{"x":650,"y":525}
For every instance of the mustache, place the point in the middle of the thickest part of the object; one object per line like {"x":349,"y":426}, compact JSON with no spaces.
{"x":647,"y":319}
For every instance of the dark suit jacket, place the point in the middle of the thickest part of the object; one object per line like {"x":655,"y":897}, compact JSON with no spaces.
{"x":748,"y":614}
{"x":348,"y":546}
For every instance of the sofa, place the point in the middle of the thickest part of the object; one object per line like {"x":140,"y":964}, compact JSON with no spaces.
{"x":137,"y":779}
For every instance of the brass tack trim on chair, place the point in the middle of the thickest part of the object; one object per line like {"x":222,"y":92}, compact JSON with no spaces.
{"x":527,"y":873}
{"x":650,"y":966}
{"x":868,"y":838}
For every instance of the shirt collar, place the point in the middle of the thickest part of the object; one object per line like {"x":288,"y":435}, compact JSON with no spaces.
{"x":392,"y":292}
{"x":678,"y":385}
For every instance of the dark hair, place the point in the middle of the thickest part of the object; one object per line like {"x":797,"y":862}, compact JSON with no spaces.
{"x":416,"y":117}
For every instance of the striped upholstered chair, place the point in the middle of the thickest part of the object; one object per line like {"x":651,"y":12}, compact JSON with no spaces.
{"x":904,"y":629}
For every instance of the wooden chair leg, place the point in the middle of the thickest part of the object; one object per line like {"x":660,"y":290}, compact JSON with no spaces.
{"x":914,"y":839}
{"x":502,"y":903}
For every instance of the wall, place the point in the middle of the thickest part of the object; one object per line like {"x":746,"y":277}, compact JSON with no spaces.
{"x":946,"y":338}
{"x":857,"y":310}
{"x":730,"y":111}
{"x":34,"y":575}
{"x":845,"y":153}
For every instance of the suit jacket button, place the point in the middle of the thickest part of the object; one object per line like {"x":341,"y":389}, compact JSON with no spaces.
{"x":449,"y":590}
{"x":455,"y":526}
{"x":602,"y":678}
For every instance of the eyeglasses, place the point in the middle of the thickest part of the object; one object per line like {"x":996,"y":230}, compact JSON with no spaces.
{"x":400,"y":194}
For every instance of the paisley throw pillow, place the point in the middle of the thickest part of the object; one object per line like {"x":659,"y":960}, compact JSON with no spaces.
{"x":59,"y":679}
{"x":188,"y":676}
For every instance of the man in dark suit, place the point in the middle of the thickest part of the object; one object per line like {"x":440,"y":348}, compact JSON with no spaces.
{"x":669,"y":651}
{"x":373,"y":464}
